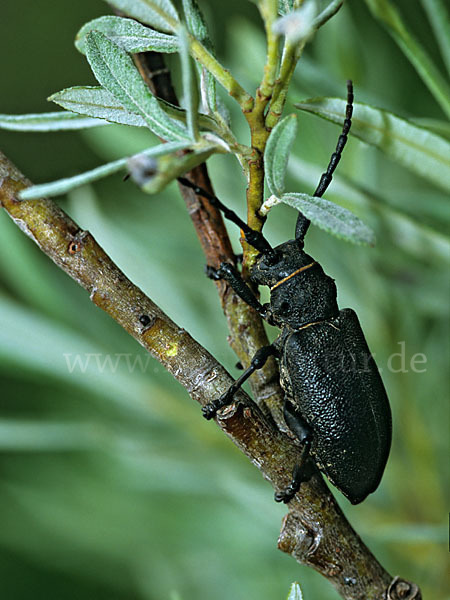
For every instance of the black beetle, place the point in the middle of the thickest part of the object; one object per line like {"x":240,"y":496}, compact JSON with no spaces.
{"x":335,"y":401}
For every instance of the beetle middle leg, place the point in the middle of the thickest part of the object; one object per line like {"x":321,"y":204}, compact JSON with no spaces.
{"x":304,"y":433}
{"x":257,"y":362}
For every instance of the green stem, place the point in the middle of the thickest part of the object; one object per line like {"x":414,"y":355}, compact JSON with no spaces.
{"x":259,"y":133}
{"x":291,"y":54}
{"x":255,"y":190}
{"x":269,"y":13}
{"x":223,"y":76}
{"x":326,"y":14}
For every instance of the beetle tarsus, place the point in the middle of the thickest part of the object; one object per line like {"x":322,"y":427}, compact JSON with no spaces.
{"x":287,"y":494}
{"x":212,"y":273}
{"x":298,"y":477}
{"x":209,"y":411}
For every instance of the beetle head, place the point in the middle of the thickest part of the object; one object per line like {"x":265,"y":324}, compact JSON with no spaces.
{"x":300,"y":291}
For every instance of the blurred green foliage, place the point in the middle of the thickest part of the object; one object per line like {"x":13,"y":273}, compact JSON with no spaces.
{"x":112,"y":486}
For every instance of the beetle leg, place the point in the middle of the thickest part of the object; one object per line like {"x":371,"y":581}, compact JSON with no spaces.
{"x":257,"y":362}
{"x":304,"y":433}
{"x":298,"y":477}
{"x":231,"y":274}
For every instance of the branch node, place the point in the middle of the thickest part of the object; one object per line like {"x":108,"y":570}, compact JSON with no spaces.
{"x":298,"y":539}
{"x":400,"y":589}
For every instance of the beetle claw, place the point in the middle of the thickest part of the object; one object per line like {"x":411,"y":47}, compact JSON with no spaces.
{"x":286,"y":495}
{"x":209,"y":410}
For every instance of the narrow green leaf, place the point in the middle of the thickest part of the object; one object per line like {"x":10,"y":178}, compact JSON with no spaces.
{"x":438,"y":126}
{"x":440,"y":22}
{"x":197,"y":27}
{"x":56,"y":188}
{"x":98,"y":103}
{"x":52,"y":121}
{"x":160,"y":14}
{"x":209,"y":93}
{"x":388,"y":14}
{"x":295,"y":593}
{"x":419,"y":150}
{"x":115,"y":71}
{"x":190,"y":90}
{"x":277,"y":153}
{"x":331,"y":218}
{"x":128,"y":34}
{"x":196,"y":23}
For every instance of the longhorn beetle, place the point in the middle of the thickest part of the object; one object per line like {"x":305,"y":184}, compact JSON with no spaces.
{"x":335,"y":402}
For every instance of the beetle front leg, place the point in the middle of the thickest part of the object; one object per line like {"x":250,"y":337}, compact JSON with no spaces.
{"x":230,"y":274}
{"x":257,"y":362}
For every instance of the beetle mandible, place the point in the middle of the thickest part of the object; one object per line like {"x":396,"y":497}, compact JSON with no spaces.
{"x":335,"y":402}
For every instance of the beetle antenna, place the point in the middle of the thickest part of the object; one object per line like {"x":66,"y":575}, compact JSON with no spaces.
{"x":253,"y":237}
{"x":325,"y":180}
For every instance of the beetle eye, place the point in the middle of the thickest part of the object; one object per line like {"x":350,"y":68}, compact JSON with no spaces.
{"x":284,"y":306}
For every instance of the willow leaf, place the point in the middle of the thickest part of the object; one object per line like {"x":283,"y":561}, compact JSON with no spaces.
{"x":295,"y":593}
{"x":52,"y":121}
{"x":331,"y":218}
{"x":166,"y":169}
{"x":190,"y":89}
{"x":115,"y":70}
{"x":160,"y":14}
{"x":391,"y":18}
{"x":196,"y":25}
{"x":277,"y":153}
{"x":421,"y":151}
{"x":128,"y":34}
{"x":56,"y":188}
{"x":98,"y":103}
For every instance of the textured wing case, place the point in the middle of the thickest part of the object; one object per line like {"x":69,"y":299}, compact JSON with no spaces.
{"x":330,"y":376}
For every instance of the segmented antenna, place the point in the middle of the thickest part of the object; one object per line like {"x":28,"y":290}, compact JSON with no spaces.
{"x":254,"y":238}
{"x":325,"y":180}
